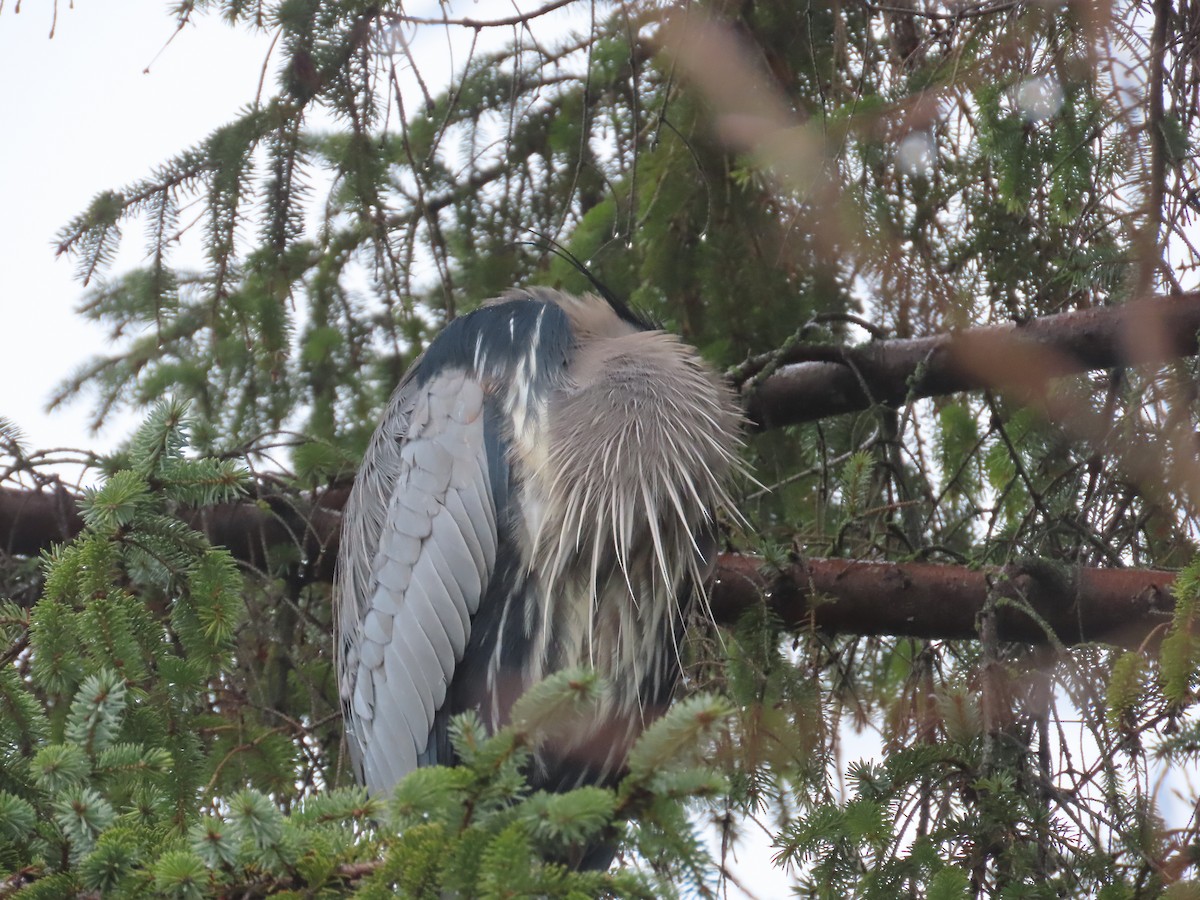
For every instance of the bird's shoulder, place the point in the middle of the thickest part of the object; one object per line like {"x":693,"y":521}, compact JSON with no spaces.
{"x":527,"y":332}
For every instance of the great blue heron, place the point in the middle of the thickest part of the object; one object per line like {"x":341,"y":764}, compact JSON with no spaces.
{"x":541,"y":494}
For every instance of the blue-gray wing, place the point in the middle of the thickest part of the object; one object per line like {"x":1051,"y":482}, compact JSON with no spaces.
{"x":423,"y":502}
{"x":420,"y":533}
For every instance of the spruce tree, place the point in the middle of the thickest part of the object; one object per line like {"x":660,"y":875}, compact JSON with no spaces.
{"x":779,"y":183}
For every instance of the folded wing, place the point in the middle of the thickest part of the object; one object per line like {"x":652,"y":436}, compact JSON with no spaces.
{"x":434,"y":553}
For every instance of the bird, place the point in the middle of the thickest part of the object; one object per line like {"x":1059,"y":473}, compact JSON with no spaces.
{"x":543,"y":493}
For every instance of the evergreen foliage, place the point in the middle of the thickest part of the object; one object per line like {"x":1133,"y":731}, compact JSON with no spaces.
{"x":117,"y":759}
{"x":168,"y":719}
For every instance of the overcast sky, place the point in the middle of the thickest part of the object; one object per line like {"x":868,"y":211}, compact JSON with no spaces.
{"x":82,"y":114}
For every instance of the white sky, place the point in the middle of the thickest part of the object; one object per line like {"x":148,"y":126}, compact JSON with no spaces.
{"x":81,"y":115}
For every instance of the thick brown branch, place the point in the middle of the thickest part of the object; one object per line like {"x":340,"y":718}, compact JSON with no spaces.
{"x":30,"y":521}
{"x":837,"y":380}
{"x":1038,"y":603}
{"x":249,"y":531}
{"x":1121,"y":606}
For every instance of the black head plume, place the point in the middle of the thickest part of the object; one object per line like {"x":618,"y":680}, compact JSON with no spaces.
{"x":549,"y":245}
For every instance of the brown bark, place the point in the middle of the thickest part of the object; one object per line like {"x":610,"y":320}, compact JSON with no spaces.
{"x":1041,"y":603}
{"x":30,"y":521}
{"x":249,"y":531}
{"x":817,"y":381}
{"x":1120,"y":606}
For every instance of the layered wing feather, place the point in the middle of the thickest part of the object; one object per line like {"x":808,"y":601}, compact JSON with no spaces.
{"x":436,"y":549}
{"x":422,"y":530}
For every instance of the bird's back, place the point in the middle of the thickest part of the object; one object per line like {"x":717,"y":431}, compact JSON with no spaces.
{"x":540,"y":495}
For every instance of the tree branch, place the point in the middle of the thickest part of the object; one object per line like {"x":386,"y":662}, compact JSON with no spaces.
{"x":1039,"y":602}
{"x":479,"y":24}
{"x":1042,"y":603}
{"x":30,"y":521}
{"x":817,"y":381}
